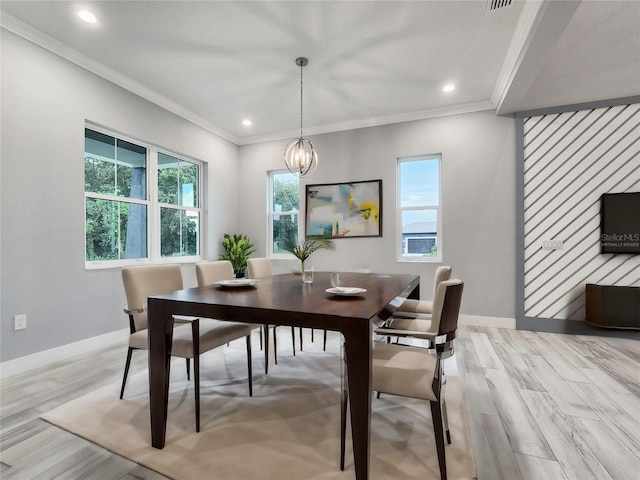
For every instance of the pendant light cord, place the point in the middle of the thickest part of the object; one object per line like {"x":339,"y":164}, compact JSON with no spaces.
{"x":301,"y":66}
{"x":300,"y":155}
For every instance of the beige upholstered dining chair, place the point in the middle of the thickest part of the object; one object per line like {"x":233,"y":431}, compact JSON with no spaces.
{"x":260,"y":268}
{"x":208,"y":273}
{"x":421,"y":307}
{"x":415,"y":315}
{"x":418,"y":372}
{"x":191,"y":336}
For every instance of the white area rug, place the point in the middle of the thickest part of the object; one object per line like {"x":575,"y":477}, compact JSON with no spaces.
{"x":289,"y":429}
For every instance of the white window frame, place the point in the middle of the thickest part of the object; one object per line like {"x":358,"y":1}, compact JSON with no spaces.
{"x":153,"y":207}
{"x":271,"y":214}
{"x":401,"y":256}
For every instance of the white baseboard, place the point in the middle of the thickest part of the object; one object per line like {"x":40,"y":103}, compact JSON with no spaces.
{"x":41,"y":359}
{"x":480,"y":321}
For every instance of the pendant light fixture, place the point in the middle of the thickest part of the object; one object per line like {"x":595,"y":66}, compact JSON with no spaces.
{"x":300,"y":155}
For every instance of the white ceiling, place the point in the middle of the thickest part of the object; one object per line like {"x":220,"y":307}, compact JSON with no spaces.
{"x":370,"y":62}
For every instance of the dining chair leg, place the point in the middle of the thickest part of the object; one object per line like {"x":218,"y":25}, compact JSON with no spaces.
{"x":195,"y":331}
{"x":324,"y":342}
{"x":275,"y":346}
{"x":436,"y":417}
{"x":446,"y":421}
{"x":301,"y":337}
{"x":312,"y":334}
{"x":265,"y":333}
{"x":188,"y":370}
{"x":266,"y":352}
{"x":249,"y":365}
{"x":126,"y":371}
{"x":293,"y":340}
{"x":444,"y":404}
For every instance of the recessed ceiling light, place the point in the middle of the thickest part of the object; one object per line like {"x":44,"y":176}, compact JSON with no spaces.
{"x":449,"y":87}
{"x":247,"y":123}
{"x":87,"y":16}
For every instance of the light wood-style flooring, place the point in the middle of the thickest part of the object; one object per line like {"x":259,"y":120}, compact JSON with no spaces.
{"x":547,"y":406}
{"x":540,"y":406}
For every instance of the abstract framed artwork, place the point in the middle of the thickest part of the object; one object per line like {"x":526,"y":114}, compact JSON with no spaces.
{"x":344,"y":210}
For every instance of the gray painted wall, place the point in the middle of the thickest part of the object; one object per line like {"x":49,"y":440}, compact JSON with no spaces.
{"x":478,"y":198}
{"x":45,"y":101}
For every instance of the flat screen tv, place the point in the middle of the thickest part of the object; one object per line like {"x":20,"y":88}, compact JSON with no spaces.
{"x":620,"y":223}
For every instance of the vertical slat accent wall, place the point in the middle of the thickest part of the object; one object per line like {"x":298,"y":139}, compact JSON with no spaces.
{"x":570,"y":160}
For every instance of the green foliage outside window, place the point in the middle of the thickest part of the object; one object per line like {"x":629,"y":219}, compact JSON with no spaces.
{"x":107,"y":221}
{"x":116,"y":223}
{"x":106,"y":228}
{"x":285,"y":227}
{"x":178,"y":233}
{"x":178,"y":185}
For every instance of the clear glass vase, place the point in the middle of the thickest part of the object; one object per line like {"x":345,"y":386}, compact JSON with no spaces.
{"x":307,"y":273}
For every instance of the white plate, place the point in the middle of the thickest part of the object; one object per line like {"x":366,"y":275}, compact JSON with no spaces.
{"x":237,"y":282}
{"x":346,"y":291}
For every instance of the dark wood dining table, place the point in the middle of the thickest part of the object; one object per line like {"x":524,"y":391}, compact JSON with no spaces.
{"x":285,"y":300}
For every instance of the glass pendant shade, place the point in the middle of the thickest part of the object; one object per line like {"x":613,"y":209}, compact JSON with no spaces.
{"x":301,"y":157}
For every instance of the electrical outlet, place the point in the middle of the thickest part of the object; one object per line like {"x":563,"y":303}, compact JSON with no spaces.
{"x":552,"y":245}
{"x":20,"y":322}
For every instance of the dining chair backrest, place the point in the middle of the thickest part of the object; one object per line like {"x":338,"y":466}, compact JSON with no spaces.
{"x":144,"y":281}
{"x":443,"y":273}
{"x":259,"y":267}
{"x":209,"y":273}
{"x":414,"y":308}
{"x":446,"y":308}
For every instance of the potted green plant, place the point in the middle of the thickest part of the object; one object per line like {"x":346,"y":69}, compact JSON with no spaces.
{"x":304,"y":248}
{"x":238,"y":249}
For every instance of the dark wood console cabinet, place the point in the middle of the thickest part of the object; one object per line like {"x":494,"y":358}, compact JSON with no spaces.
{"x":612,"y":307}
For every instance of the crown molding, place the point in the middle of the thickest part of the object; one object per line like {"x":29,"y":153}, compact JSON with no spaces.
{"x":541,"y":24}
{"x":12,"y":24}
{"x":522,"y":37}
{"x":39,"y":38}
{"x":373,"y":122}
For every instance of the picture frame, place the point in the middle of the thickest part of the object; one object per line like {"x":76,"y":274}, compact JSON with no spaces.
{"x":344,"y":210}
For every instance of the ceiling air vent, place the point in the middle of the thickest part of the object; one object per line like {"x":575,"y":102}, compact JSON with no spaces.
{"x":496,"y":4}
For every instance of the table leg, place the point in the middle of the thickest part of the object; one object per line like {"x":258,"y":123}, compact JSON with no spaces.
{"x":160,"y":338}
{"x":358,"y":341}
